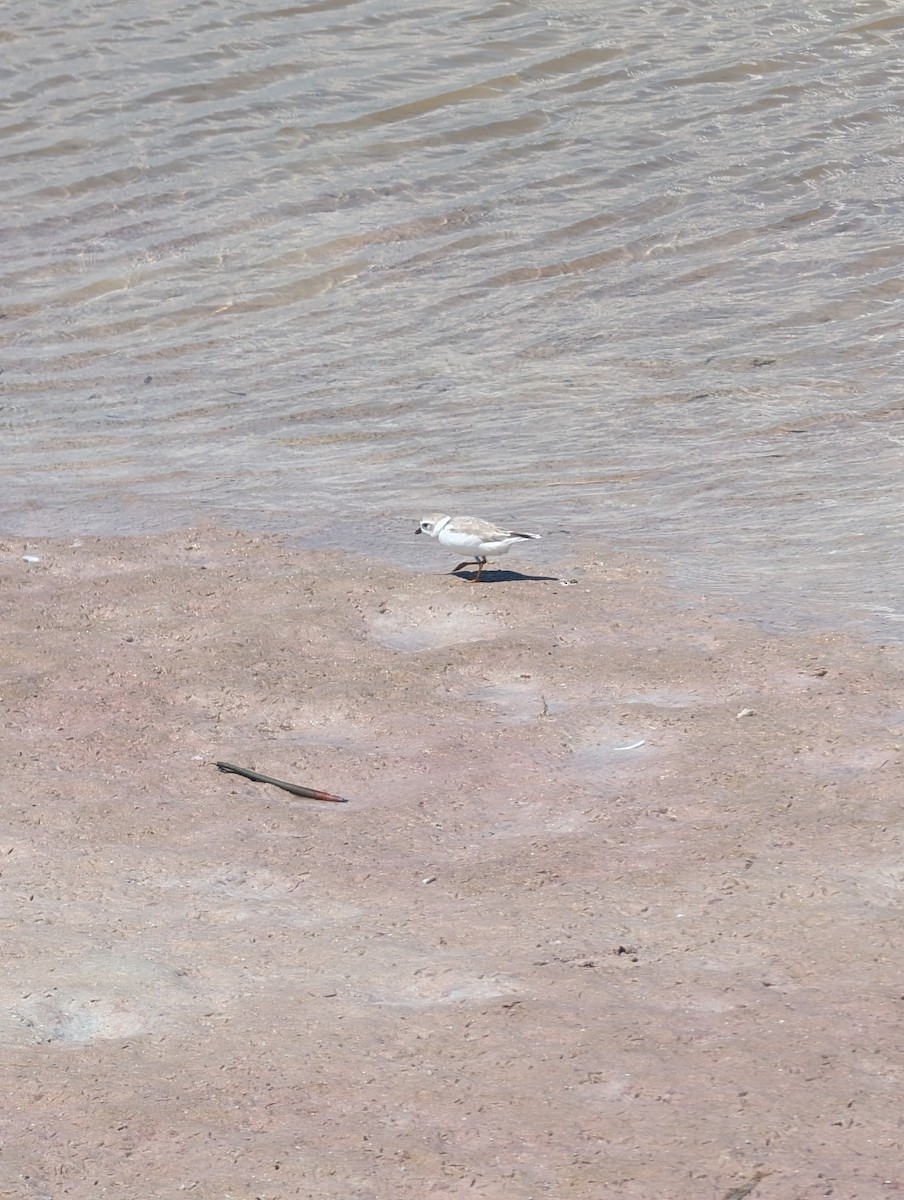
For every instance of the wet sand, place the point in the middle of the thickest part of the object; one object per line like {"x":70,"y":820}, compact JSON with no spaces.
{"x":613,"y":910}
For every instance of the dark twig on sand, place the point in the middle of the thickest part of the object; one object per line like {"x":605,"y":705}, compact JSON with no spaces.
{"x":738,"y":1193}
{"x":294,"y":788}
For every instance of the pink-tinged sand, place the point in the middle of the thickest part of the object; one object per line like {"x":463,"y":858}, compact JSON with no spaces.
{"x":582,"y":931}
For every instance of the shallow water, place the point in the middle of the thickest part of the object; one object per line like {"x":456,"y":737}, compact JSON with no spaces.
{"x":633,"y":280}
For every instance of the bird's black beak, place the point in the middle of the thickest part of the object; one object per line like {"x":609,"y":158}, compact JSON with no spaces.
{"x":418,"y":530}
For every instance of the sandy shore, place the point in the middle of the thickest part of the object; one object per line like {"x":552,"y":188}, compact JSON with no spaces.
{"x":613,"y":911}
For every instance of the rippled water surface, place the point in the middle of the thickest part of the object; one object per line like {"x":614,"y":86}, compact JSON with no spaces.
{"x":632,"y":270}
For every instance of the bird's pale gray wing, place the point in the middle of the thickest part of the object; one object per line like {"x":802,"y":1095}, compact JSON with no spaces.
{"x":475,"y":527}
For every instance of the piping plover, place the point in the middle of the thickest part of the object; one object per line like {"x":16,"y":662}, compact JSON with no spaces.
{"x":480,"y":538}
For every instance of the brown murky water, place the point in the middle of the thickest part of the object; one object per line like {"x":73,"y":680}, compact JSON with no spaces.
{"x":632,"y":275}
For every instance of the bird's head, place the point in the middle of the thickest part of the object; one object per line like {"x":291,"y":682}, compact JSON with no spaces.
{"x":429,"y":523}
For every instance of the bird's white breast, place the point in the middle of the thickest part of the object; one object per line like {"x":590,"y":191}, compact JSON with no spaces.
{"x":457,"y":540}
